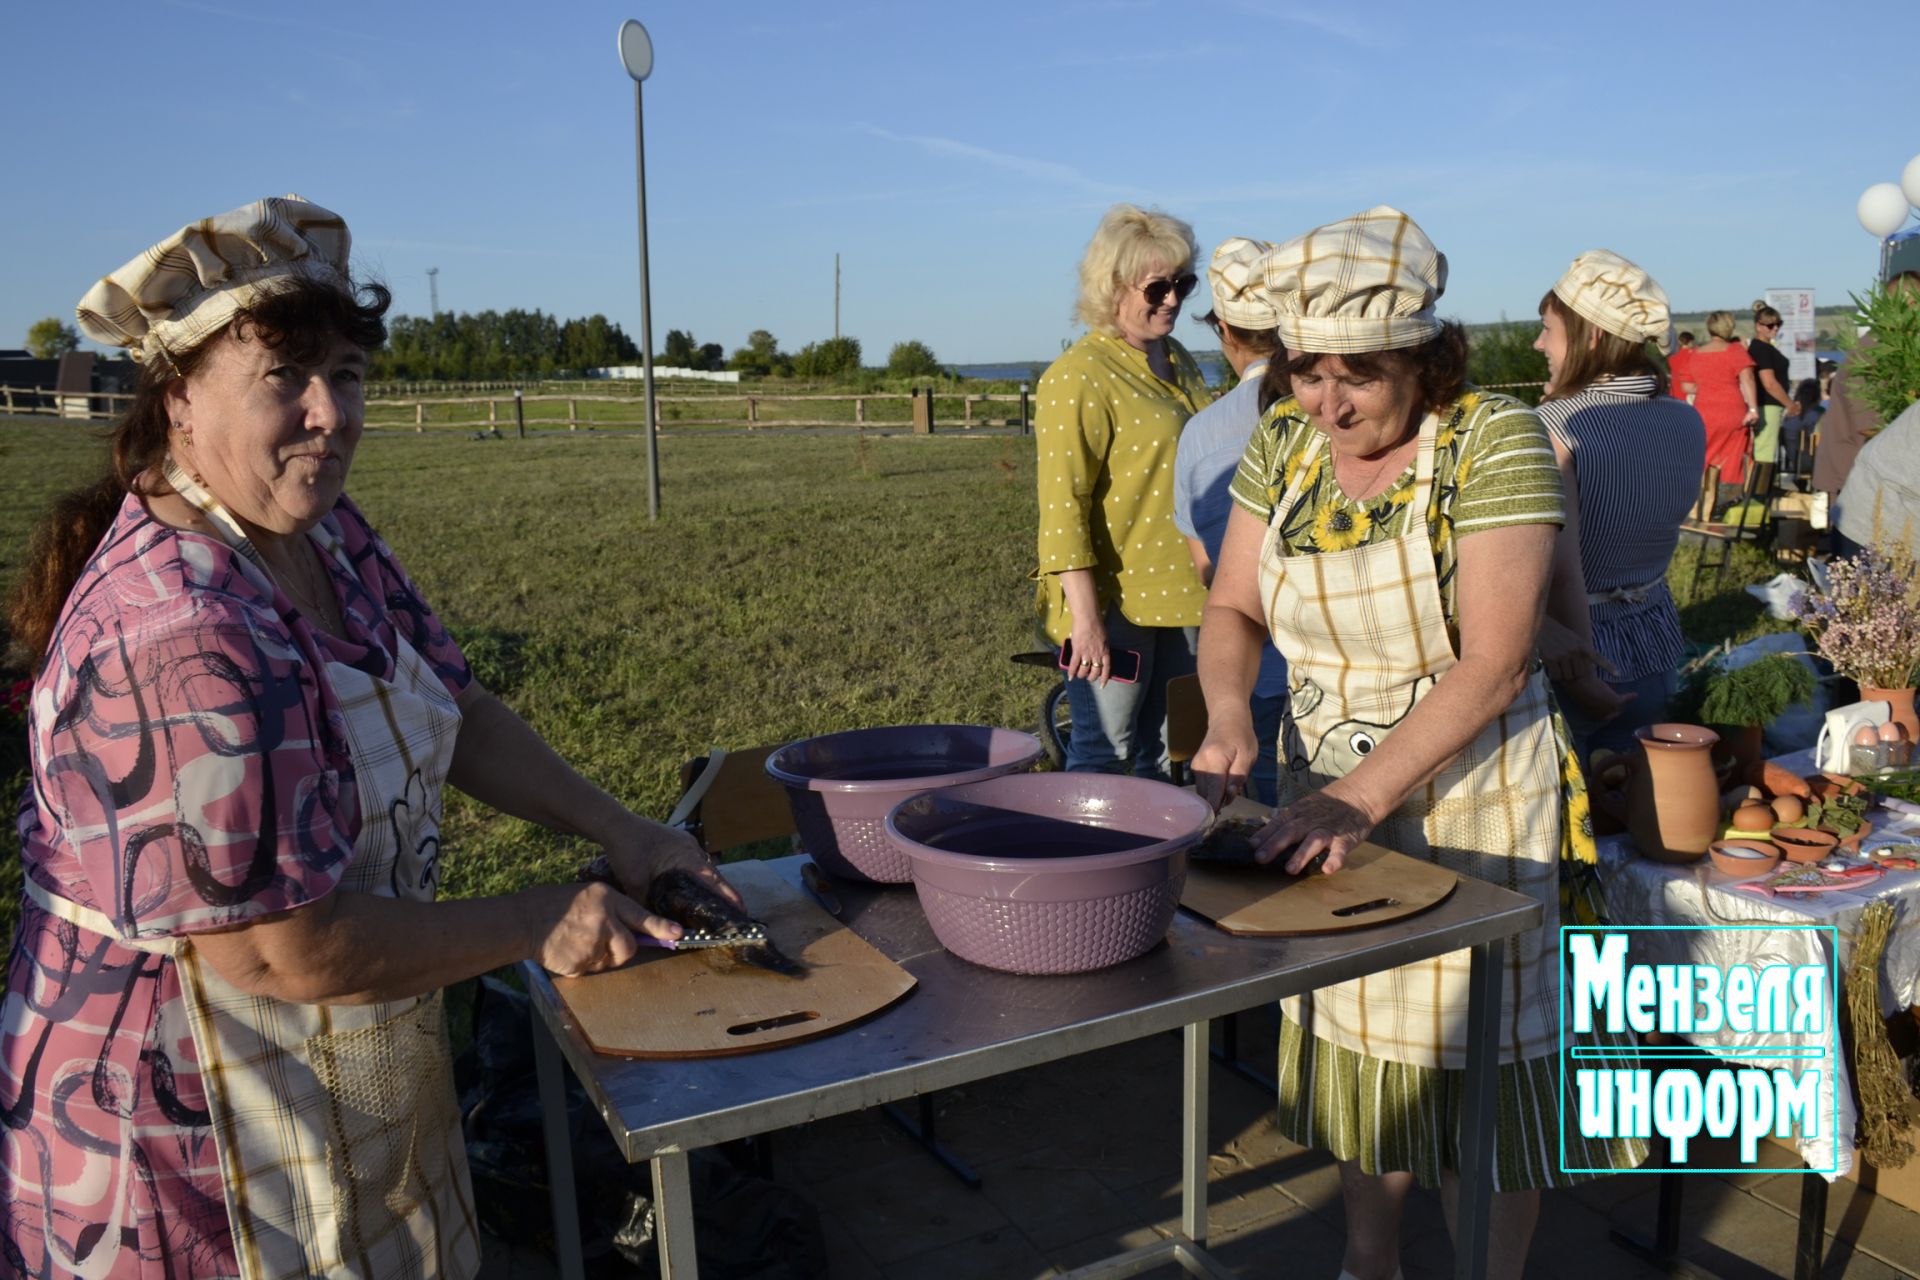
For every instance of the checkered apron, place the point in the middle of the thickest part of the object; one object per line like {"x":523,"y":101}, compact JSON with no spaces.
{"x":1365,"y":638}
{"x":336,"y":1125}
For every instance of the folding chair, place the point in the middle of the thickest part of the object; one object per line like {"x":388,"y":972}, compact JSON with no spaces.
{"x":727,"y":800}
{"x":1746,"y":525}
{"x":1186,"y":725}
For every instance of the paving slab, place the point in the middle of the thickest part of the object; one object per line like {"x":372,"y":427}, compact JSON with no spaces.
{"x":1856,"y":1220}
{"x":905,"y":1207}
{"x":1002,"y":1255}
{"x":1740,"y":1236}
{"x":1053,"y":1199}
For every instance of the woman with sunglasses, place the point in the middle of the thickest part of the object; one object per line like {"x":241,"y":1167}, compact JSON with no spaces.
{"x":1770,"y":381}
{"x":1116,"y":589}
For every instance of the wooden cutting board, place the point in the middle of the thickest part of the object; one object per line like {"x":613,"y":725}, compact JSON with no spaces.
{"x":1267,"y":902}
{"x":693,"y":1005}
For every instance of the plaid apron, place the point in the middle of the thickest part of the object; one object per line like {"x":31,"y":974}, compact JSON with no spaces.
{"x":337,"y":1126}
{"x":1365,"y":637}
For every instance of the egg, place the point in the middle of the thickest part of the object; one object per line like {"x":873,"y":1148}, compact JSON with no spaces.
{"x":1866,"y":736}
{"x":1891,"y":732}
{"x":1788,"y":809}
{"x":1753,"y":817}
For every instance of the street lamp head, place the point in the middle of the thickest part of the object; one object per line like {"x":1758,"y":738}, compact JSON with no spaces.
{"x":636,"y":50}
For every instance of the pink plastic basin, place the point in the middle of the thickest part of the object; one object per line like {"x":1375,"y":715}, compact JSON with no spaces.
{"x":841,"y":785}
{"x":1050,"y":872}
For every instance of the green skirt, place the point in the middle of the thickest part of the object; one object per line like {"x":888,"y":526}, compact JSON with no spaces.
{"x":1392,"y":1117}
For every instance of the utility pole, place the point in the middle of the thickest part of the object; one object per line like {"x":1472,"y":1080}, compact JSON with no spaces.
{"x":836,"y":297}
{"x":433,"y":289}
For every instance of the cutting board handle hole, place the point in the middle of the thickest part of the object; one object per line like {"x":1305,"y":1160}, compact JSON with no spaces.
{"x":770,"y":1024}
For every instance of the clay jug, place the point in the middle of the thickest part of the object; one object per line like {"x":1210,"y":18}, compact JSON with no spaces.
{"x":1673,"y":798}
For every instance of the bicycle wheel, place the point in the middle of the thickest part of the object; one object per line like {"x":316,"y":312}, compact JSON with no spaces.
{"x":1056,"y":724}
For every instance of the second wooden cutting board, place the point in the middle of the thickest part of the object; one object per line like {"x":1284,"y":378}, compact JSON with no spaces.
{"x":1267,"y":902}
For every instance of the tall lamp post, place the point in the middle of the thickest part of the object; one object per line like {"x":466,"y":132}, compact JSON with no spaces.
{"x":636,"y":55}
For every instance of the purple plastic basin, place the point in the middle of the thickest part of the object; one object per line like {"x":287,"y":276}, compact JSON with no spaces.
{"x":841,"y":785}
{"x":1050,"y":872}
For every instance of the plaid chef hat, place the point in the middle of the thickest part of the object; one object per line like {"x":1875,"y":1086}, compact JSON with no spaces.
{"x":1365,"y":283}
{"x":1605,"y":289}
{"x":189,"y":286}
{"x":1239,"y":291}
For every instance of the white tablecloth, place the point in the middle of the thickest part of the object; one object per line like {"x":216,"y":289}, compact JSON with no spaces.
{"x":1642,"y":892}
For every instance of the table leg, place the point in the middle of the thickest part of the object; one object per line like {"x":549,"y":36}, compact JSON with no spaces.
{"x":551,"y":1072}
{"x":1193,"y":1140}
{"x":1812,"y":1246}
{"x":1477,"y":1110}
{"x":673,"y":1217}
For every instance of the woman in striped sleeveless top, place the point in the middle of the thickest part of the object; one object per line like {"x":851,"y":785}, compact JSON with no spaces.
{"x":1630,"y":457}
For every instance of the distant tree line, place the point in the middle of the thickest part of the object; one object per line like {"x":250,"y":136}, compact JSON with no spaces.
{"x":533,"y":344}
{"x":498,"y":344}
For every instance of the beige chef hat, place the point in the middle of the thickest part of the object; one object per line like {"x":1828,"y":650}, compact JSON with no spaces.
{"x":1607,"y":290}
{"x":1239,"y":289}
{"x":1365,"y":283}
{"x":189,"y":286}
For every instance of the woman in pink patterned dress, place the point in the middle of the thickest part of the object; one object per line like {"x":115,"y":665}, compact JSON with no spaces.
{"x":223,"y":1051}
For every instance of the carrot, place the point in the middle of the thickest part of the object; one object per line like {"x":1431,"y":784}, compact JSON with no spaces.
{"x":1777,"y":781}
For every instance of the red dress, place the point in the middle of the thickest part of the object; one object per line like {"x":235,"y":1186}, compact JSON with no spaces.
{"x":1716,"y":379}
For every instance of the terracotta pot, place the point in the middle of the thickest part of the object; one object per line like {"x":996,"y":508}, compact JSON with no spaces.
{"x":1804,"y":844}
{"x":1760,"y":857}
{"x":1901,"y":700}
{"x":1851,"y":844}
{"x":1738,"y":751}
{"x":1673,"y":798}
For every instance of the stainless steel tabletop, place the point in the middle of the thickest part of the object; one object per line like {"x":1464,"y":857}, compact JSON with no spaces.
{"x":964,"y":1023}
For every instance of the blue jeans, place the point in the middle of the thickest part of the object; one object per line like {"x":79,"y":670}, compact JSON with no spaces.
{"x":1125,"y":725}
{"x":1656,"y":693}
{"x":1266,"y":728}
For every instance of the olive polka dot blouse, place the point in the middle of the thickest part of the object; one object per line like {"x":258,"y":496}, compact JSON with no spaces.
{"x":1107,"y":427}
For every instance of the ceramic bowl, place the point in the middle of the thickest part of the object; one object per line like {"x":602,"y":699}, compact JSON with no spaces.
{"x":841,"y":785}
{"x":1804,"y":844}
{"x":1744,"y":859}
{"x":1851,"y":844}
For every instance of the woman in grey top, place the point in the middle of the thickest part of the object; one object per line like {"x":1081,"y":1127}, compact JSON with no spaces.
{"x":1631,"y":459}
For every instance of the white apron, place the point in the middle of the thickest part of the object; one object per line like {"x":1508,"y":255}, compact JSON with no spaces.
{"x":336,"y":1125}
{"x":1365,"y":638}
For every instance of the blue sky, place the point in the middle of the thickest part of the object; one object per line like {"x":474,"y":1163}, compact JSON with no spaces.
{"x":957,"y":156}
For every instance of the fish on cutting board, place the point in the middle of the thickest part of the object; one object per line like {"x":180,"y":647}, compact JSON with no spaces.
{"x":717,"y":923}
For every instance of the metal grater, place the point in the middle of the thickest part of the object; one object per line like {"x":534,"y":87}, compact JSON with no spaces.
{"x":749,"y":935}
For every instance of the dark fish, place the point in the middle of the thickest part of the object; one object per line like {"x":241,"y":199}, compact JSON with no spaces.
{"x":682,"y":897}
{"x":1230,"y":843}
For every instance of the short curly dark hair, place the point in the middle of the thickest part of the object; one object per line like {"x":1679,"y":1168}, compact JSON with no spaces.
{"x":1440,"y":363}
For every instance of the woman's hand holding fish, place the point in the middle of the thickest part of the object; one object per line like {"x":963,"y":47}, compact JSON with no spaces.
{"x":1324,"y":821}
{"x":644,"y":849}
{"x":585,"y":928}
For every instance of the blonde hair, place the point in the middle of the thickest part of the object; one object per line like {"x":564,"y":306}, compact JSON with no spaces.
{"x":1720,"y":325}
{"x":1129,"y":241}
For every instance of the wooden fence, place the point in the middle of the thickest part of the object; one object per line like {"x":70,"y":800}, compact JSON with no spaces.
{"x":753,"y":410}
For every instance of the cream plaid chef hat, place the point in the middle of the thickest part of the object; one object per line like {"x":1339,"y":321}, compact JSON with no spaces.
{"x":1607,"y":290}
{"x":1365,"y":283}
{"x":1239,"y":290}
{"x":189,"y":286}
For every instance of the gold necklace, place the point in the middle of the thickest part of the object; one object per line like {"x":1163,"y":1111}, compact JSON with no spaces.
{"x":317,"y":601}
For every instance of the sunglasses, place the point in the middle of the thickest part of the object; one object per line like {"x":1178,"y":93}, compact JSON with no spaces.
{"x":1155,"y":291}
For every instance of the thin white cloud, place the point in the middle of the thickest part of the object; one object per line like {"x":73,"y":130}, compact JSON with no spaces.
{"x":1326,"y":22}
{"x":1043,"y":170}
{"x":299,"y":21}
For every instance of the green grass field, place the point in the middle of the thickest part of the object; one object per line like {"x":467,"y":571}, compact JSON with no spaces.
{"x":795,"y":584}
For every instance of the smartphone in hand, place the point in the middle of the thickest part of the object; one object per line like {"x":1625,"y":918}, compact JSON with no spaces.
{"x":1122,"y":664}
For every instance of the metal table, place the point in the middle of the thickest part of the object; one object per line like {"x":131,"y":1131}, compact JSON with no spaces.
{"x":964,"y":1023}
